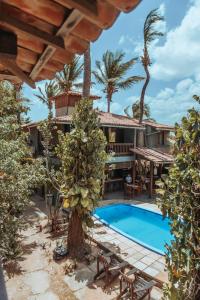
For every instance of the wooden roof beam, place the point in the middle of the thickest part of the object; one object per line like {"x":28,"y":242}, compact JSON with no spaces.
{"x":69,"y":24}
{"x":16,"y":25}
{"x":8,"y":76}
{"x":14,"y":69}
{"x":84,"y":6}
{"x":105,"y":14}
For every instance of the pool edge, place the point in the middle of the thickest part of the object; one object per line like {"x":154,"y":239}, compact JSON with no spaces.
{"x":127,"y":235}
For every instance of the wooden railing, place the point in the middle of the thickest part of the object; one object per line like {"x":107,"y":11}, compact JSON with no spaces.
{"x":119,"y":148}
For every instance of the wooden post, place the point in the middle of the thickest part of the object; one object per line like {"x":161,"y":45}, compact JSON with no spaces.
{"x":151,"y":179}
{"x":160,"y":169}
{"x":135,"y":138}
{"x":134,"y":172}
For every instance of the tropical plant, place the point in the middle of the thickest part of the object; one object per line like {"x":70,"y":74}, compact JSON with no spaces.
{"x":179,"y":199}
{"x":47,"y":129}
{"x":82,"y":155}
{"x":67,"y":78}
{"x":50,"y":90}
{"x":19,"y":172}
{"x":150,"y":34}
{"x":135,"y":110}
{"x":17,"y":90}
{"x":111,"y":74}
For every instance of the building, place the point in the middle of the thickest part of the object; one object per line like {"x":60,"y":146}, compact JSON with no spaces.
{"x":125,"y":137}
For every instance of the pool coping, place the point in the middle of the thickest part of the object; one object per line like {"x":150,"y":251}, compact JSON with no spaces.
{"x":127,"y":235}
{"x":147,"y":261}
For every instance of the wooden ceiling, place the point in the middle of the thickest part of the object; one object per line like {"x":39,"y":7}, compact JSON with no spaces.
{"x":50,"y":32}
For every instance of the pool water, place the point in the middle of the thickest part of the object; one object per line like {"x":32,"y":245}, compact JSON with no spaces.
{"x":138,"y":224}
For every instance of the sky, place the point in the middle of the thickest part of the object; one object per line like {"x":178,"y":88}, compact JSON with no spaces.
{"x":175,"y":57}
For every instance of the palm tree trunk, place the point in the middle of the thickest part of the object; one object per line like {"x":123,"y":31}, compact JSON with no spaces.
{"x":145,"y":64}
{"x":109,"y":98}
{"x":87,"y":73}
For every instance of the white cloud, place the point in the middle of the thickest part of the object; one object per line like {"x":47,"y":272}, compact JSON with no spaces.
{"x":162,"y":9}
{"x":135,"y":47}
{"x":122,"y":40}
{"x":167,"y":106}
{"x":179,"y":57}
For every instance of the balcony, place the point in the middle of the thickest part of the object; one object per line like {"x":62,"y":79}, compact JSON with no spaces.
{"x":119,"y":148}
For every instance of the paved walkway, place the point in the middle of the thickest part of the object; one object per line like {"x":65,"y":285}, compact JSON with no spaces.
{"x":39,"y":277}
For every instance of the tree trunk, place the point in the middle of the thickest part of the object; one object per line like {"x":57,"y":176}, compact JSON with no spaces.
{"x":108,"y":103}
{"x":145,"y":64}
{"x":76,"y":238}
{"x":87,"y":74}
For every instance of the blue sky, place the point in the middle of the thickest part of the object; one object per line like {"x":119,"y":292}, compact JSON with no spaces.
{"x":175,"y":70}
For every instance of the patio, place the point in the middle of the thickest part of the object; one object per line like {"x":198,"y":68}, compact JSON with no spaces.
{"x":54,"y":284}
{"x":40,"y":277}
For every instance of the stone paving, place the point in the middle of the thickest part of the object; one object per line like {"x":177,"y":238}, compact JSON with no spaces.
{"x":43,"y":279}
{"x":145,"y":260}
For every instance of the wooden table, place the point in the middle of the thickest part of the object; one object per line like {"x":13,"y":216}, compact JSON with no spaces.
{"x":113,"y":184}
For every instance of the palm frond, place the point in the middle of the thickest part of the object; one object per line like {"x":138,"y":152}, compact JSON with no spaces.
{"x":126,"y":111}
{"x":149,"y":26}
{"x":127,"y":83}
{"x":98,"y":78}
{"x":70,"y":74}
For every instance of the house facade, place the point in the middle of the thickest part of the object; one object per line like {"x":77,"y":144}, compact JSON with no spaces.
{"x":123,"y":134}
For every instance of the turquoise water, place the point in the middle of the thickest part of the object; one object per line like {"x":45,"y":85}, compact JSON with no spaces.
{"x":143,"y":226}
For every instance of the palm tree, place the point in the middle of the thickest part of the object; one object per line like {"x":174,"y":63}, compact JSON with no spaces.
{"x":50,"y":90}
{"x":87,"y":73}
{"x":68,"y":76}
{"x":111,"y":74}
{"x":150,"y":34}
{"x":136,"y":110}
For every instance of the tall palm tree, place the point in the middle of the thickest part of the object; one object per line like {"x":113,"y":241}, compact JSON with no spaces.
{"x":50,"y":90}
{"x":135,"y":110}
{"x":87,"y":73}
{"x":150,"y":34}
{"x":111,"y":74}
{"x":69,"y":75}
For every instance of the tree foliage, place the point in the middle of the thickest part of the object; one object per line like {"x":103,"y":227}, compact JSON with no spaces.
{"x":111,"y":73}
{"x":19,"y":173}
{"x":179,"y":198}
{"x":135,"y":110}
{"x":67,"y":78}
{"x":82,"y":154}
{"x":51,"y":89}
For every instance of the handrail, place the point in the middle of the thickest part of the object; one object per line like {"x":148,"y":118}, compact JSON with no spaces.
{"x":119,"y":148}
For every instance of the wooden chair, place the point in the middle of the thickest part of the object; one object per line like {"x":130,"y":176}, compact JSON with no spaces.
{"x":110,"y":268}
{"x":135,"y":287}
{"x":128,"y":190}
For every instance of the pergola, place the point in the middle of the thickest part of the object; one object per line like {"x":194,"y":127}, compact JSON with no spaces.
{"x":154,"y":156}
{"x":37,"y":37}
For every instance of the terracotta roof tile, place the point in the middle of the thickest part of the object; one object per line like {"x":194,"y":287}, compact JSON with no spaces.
{"x":153,"y":155}
{"x":158,"y":125}
{"x":107,"y":119}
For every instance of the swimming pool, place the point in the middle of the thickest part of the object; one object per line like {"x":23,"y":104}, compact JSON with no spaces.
{"x":138,"y":224}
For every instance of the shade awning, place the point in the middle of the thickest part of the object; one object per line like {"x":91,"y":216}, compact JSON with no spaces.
{"x":38,"y":37}
{"x":153,"y":155}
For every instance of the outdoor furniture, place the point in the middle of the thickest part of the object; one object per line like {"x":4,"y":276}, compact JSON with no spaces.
{"x":113,"y":184}
{"x":110,"y":268}
{"x":128,"y":190}
{"x":134,"y":287}
{"x":131,"y":189}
